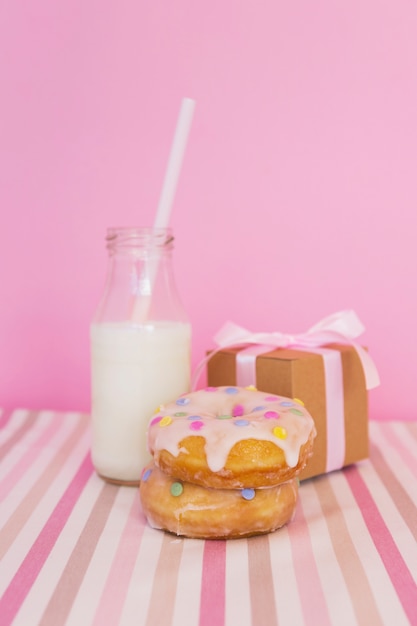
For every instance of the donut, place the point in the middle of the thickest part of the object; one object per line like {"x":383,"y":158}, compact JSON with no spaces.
{"x":193,"y":511}
{"x":231,"y":438}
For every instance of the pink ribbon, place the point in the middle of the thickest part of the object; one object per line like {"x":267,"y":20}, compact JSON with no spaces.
{"x":342,"y":328}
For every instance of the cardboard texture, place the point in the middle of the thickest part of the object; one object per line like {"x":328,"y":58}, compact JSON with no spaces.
{"x":300,"y":374}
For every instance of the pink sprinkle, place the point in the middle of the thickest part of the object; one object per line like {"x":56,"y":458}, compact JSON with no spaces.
{"x":196,"y":425}
{"x":270,"y":415}
{"x":238,"y":410}
{"x":271,"y":398}
{"x":211,"y":389}
{"x":156,"y":420}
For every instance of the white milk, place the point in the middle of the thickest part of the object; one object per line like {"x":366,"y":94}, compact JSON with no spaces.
{"x":134,"y":370}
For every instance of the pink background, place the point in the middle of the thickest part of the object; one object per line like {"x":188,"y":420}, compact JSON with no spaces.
{"x":298,"y":194}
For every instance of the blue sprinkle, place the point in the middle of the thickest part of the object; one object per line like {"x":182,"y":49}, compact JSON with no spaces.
{"x":193,"y":418}
{"x":248,"y":494}
{"x":258,"y":408}
{"x":231,"y":390}
{"x":182,"y":401}
{"x":287,"y":403}
{"x":146,"y":475}
{"x":241,"y":422}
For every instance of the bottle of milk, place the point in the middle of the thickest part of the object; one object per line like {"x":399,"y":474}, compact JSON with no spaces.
{"x":140,"y":349}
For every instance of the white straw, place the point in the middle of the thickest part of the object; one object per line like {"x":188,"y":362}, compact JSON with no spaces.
{"x":179,"y":143}
{"x":163,"y":213}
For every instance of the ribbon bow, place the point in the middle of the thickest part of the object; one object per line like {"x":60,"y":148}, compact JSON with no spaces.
{"x":342,"y":327}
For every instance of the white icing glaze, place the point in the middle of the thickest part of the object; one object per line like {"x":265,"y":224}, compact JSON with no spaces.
{"x":255,"y":420}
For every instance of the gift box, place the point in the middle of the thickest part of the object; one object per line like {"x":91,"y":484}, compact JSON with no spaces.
{"x":331,"y":379}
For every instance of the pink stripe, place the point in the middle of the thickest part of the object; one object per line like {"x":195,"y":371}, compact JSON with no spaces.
{"x":117,"y":584}
{"x":213,"y":584}
{"x":313,"y":602}
{"x":28,"y":459}
{"x":26,"y":575}
{"x":397,"y":569}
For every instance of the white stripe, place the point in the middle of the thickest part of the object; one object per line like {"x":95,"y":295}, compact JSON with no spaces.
{"x":287,"y":597}
{"x":394,"y":460}
{"x":237,"y":591}
{"x":13,"y":424}
{"x":12,"y":456}
{"x":246,"y":364}
{"x":142,"y":581}
{"x":331,"y":576}
{"x":335,"y":409}
{"x":187,"y":599}
{"x":87,"y":600}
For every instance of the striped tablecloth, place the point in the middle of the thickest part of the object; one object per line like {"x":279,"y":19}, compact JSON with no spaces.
{"x":75,"y":550}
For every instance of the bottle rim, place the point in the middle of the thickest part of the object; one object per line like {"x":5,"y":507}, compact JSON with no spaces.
{"x":125,"y":237}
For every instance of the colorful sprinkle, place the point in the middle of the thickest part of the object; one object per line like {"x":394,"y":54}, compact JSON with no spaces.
{"x":156,"y":420}
{"x":251,"y":388}
{"x":238,"y":410}
{"x":210,"y":389}
{"x":258,"y":408}
{"x":287,"y":403}
{"x":271,"y":398}
{"x":231,"y":390}
{"x":145,"y":474}
{"x":296,"y":412}
{"x":298,"y":401}
{"x":176,"y":489}
{"x":248,"y":494}
{"x":280,"y":432}
{"x":165,"y":421}
{"x":241,"y":423}
{"x":193,"y":418}
{"x":196,"y":425}
{"x":224,"y":417}
{"x":180,"y":414}
{"x":271,"y":415}
{"x":182,"y":401}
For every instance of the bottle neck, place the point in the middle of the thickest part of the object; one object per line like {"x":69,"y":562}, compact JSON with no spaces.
{"x":140,"y":242}
{"x":140,"y":285}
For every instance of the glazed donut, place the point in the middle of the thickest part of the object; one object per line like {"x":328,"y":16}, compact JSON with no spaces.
{"x":193,"y":511}
{"x":231,"y":438}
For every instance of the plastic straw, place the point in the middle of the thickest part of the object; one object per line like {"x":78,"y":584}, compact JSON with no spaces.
{"x":179,"y":143}
{"x":163,"y":213}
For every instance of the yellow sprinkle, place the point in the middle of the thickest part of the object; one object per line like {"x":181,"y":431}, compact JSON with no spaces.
{"x":298,"y":401}
{"x":160,"y":407}
{"x":165,"y":421}
{"x":251,"y":388}
{"x":280,"y":432}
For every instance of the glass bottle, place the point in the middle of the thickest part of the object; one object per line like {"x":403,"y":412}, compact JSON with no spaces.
{"x":140,"y":349}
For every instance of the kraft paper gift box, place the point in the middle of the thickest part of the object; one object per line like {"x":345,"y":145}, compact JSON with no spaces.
{"x":331,"y":379}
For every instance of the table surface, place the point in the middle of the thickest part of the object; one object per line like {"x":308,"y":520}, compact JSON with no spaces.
{"x":76,"y":550}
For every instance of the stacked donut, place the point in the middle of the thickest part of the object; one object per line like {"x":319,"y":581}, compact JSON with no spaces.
{"x":225,"y":462}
